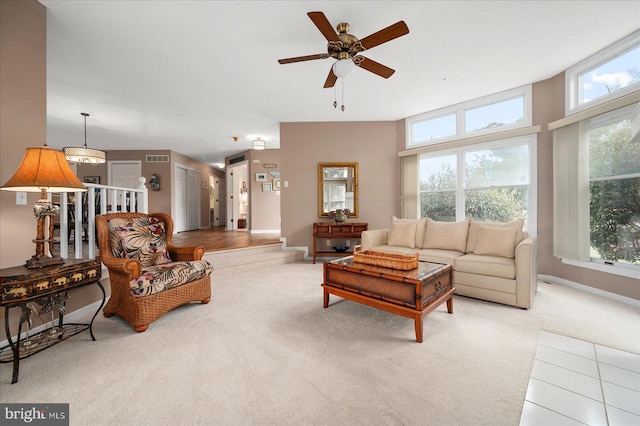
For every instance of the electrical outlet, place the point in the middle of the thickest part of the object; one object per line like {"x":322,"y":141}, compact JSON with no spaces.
{"x":328,"y":243}
{"x":348,"y":243}
{"x":21,"y":198}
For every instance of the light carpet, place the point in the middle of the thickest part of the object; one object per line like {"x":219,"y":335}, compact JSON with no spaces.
{"x":265,"y":352}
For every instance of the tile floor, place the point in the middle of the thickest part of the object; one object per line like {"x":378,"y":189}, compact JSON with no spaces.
{"x":574,"y":382}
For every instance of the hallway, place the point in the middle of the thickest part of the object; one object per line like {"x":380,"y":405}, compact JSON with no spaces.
{"x":216,"y":238}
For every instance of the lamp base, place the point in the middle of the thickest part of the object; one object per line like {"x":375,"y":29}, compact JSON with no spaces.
{"x":38,"y":263}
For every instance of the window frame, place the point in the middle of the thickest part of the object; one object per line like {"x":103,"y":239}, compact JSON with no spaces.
{"x":620,"y":114}
{"x":572,"y":75}
{"x":460,"y":109}
{"x":532,"y":207}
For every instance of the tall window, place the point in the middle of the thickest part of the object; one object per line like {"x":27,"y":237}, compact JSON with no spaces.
{"x":614,"y":188}
{"x":486,"y":182}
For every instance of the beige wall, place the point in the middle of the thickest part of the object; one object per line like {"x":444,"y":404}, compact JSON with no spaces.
{"x":264,"y":207}
{"x":23,"y":117}
{"x":373,"y":145}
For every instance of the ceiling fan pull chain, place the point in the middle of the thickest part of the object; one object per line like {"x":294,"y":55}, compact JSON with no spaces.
{"x":342,"y":108}
{"x":335,"y":102}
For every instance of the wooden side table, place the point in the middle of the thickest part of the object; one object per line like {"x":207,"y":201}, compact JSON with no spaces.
{"x":327,"y":230}
{"x":47,"y":287}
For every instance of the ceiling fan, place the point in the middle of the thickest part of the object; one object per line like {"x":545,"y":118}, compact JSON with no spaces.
{"x":346,"y":48}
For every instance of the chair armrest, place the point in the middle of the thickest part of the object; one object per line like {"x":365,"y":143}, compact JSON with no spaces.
{"x":526,"y":271}
{"x":373,"y":238}
{"x":130,"y":267}
{"x":181,"y":254}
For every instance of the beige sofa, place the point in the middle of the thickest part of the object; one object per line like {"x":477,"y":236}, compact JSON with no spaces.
{"x":491,"y":261}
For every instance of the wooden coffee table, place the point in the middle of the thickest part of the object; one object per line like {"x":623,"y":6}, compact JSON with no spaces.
{"x":411,"y":294}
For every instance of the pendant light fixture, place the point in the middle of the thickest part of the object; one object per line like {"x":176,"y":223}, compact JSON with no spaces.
{"x":258,"y":144}
{"x":82,"y":154}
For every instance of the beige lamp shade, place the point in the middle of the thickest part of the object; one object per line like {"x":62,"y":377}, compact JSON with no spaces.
{"x":44,"y":169}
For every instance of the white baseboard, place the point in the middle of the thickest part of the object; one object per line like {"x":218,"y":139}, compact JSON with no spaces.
{"x":301,"y":248}
{"x":265,"y":231}
{"x":607,"y":294}
{"x":75,"y":316}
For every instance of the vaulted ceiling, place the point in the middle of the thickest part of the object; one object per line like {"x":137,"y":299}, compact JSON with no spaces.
{"x":190,"y":75}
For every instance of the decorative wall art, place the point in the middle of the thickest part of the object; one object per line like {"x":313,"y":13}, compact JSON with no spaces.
{"x":261,"y":177}
{"x":266,"y":187}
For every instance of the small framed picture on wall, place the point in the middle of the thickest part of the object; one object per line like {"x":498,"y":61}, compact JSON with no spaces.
{"x":266,"y":187}
{"x":261,"y":177}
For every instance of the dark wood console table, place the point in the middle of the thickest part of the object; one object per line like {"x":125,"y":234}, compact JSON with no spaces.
{"x":47,"y":287}
{"x":335,"y":230}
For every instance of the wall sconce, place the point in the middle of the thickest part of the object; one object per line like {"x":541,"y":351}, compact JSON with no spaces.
{"x":154,"y":182}
{"x":44,"y":169}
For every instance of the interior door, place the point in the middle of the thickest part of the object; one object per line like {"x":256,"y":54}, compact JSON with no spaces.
{"x":180,"y":210}
{"x":187,"y":200}
{"x":123,"y":174}
{"x":193,"y":199}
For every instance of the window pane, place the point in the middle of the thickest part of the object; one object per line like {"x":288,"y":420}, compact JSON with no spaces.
{"x":614,"y":204}
{"x":497,"y":205}
{"x":616,"y":74}
{"x":504,"y":166}
{"x":433,"y":128}
{"x":615,"y":220}
{"x":439,"y":206}
{"x":438,"y":173}
{"x":610,"y":151}
{"x":494,"y":115}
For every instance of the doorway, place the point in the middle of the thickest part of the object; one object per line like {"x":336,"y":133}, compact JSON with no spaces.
{"x":238,"y":197}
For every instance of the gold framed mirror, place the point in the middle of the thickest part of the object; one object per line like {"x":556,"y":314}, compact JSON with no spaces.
{"x":337,"y":188}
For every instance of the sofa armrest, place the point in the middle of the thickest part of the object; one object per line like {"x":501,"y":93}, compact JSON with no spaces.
{"x":526,"y":271}
{"x":374,"y":238}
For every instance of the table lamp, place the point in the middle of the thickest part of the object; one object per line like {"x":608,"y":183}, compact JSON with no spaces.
{"x":44,"y":169}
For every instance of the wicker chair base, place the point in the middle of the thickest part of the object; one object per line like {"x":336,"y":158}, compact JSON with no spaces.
{"x":139,"y":312}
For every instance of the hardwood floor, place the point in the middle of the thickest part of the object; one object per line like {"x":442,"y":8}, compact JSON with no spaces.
{"x":216,"y":238}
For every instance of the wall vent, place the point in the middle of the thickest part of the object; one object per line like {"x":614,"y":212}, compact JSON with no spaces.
{"x":157,"y":158}
{"x":236,"y":160}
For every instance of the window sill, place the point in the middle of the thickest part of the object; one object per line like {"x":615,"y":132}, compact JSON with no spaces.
{"x":609,"y":269}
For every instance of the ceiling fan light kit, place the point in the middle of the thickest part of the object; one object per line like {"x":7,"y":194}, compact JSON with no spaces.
{"x":346,"y":48}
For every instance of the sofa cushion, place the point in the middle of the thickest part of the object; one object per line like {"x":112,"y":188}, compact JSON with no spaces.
{"x":446,"y":235}
{"x":494,"y":266}
{"x":439,"y":256}
{"x":421,"y":225}
{"x":493,"y":241}
{"x":141,"y":238}
{"x":394,"y":249}
{"x":474,"y":228}
{"x":158,"y":278}
{"x":402,"y":234}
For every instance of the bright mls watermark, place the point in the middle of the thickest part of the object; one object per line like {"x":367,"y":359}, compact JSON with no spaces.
{"x":36,"y":414}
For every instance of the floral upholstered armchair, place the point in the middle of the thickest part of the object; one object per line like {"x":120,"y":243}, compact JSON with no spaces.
{"x":149,"y":276}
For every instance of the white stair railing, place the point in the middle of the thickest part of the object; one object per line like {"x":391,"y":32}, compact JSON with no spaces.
{"x":100,"y":199}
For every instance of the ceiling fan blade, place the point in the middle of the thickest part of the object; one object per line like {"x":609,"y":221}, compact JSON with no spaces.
{"x":331,"y":79}
{"x":387,"y":34}
{"x":303,"y":58}
{"x":376,"y":67}
{"x":324,"y":26}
